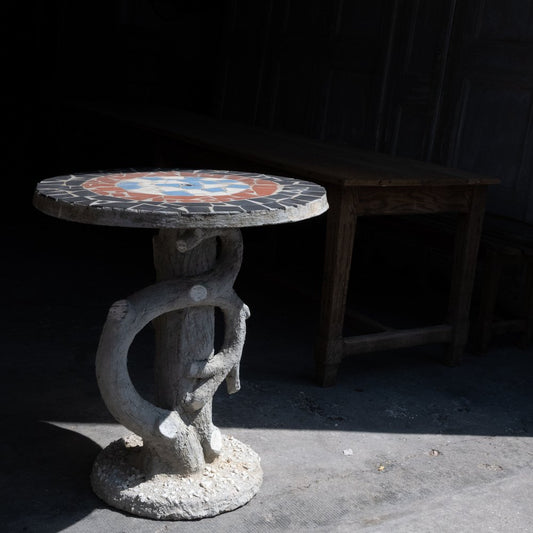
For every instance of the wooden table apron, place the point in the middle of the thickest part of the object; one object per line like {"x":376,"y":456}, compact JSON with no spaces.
{"x":349,"y":202}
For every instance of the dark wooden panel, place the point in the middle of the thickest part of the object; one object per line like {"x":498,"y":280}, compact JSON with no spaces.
{"x":347,"y":108}
{"x":313,"y":67}
{"x":289,"y":103}
{"x":505,"y":21}
{"x":422,"y":34}
{"x":497,"y":114}
{"x":354,"y":71}
{"x":489,"y":127}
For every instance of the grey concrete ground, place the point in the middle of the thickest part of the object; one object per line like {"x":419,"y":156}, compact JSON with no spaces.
{"x":401,"y":444}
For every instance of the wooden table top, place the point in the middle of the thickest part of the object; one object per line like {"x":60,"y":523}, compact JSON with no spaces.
{"x":180,"y":198}
{"x":291,"y":154}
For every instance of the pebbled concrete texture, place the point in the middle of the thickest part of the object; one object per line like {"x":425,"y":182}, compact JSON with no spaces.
{"x":401,"y":444}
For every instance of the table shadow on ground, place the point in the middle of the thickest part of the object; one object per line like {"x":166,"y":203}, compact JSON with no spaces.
{"x":45,"y":477}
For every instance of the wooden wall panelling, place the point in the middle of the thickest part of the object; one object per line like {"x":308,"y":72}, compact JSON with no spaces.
{"x":492,"y":134}
{"x":489,"y":104}
{"x":315,"y":67}
{"x":419,"y":60}
{"x":294,"y":65}
{"x":354,"y":73}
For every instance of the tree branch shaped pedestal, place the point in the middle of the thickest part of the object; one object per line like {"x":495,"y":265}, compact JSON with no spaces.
{"x":181,"y":467}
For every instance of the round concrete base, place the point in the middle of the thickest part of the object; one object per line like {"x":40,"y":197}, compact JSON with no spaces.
{"x":227,"y":483}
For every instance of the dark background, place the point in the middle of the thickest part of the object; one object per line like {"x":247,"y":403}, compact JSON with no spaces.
{"x":441,"y":80}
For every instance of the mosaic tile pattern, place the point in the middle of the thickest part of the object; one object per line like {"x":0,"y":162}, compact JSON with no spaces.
{"x":181,"y":192}
{"x":174,"y":186}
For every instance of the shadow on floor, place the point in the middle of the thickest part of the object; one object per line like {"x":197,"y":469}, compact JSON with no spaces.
{"x":44,"y":475}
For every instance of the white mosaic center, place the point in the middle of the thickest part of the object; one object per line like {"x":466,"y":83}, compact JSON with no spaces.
{"x":183,"y":186}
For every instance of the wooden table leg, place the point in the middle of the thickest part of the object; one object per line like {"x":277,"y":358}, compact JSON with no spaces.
{"x":464,"y":268}
{"x":341,"y":224}
{"x":489,"y":294}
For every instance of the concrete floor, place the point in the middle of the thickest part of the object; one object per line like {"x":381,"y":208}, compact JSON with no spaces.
{"x":401,"y":444}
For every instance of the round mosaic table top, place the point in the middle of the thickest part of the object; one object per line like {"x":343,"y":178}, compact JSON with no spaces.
{"x":179,"y":198}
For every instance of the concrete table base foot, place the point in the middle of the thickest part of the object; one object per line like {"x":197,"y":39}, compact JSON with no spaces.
{"x":227,"y":483}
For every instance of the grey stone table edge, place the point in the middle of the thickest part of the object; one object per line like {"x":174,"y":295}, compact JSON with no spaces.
{"x":51,"y":198}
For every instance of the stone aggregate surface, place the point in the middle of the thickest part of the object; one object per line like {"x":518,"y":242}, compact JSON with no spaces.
{"x":434,"y":449}
{"x":224,"y":485}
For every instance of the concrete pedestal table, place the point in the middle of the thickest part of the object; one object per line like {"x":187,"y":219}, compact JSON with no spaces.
{"x":177,"y":464}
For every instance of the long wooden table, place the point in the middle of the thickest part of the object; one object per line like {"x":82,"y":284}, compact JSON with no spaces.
{"x":358,"y":183}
